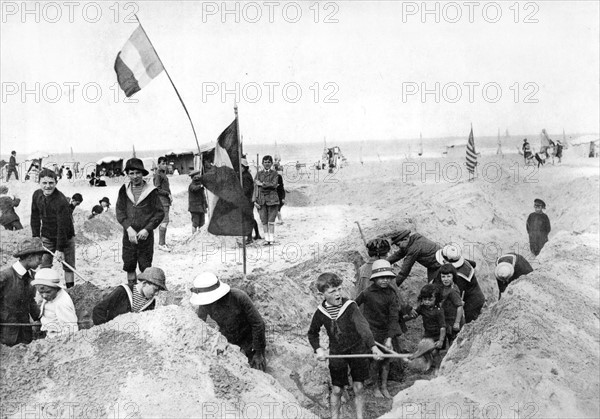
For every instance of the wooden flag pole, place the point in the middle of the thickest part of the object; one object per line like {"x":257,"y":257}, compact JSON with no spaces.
{"x":172,"y":84}
{"x":237,"y":129}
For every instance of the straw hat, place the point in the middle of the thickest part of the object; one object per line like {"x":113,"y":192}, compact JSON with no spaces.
{"x":504,"y":271}
{"x":381,"y":268}
{"x":207,"y":289}
{"x":48,"y":277}
{"x":29,"y":246}
{"x":155,"y":276}
{"x":450,"y":254}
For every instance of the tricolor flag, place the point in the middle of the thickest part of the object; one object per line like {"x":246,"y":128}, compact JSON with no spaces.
{"x":137,"y":63}
{"x":231,"y":212}
{"x":471,"y":154}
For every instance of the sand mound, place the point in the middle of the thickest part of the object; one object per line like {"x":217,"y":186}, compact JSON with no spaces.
{"x":534,"y":353}
{"x":102,"y":227}
{"x":165,"y":363}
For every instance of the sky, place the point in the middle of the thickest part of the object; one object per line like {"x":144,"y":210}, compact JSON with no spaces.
{"x":304,"y":71}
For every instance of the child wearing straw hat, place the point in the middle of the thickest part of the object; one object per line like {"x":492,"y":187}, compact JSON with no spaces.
{"x":233,"y":310}
{"x":17,"y":295}
{"x":131,"y":299}
{"x":349,"y":333}
{"x":58,"y":314}
{"x":380,"y":308}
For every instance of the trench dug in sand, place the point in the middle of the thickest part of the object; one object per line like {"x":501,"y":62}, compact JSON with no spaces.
{"x":534,"y":353}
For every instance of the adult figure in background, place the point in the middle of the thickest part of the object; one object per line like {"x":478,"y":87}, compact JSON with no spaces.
{"x":509,"y":267}
{"x":12,"y":166}
{"x":248,"y":187}
{"x":232,"y":309}
{"x":414,"y":248}
{"x":465,"y":280}
{"x":8,"y":217}
{"x":559,"y":151}
{"x":161,"y":182}
{"x":281,"y":195}
{"x":526,"y":150}
{"x":17,"y":295}
{"x":140,"y":212}
{"x":51,"y":219}
{"x":267,"y":200}
{"x":538,"y":227}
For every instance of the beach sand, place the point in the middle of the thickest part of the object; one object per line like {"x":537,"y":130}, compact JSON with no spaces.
{"x":534,"y":353}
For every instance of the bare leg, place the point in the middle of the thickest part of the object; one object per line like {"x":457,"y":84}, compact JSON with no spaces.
{"x":359,"y":399}
{"x":336,"y":396}
{"x":266,"y":232}
{"x":385,"y":371}
{"x":272,"y":232}
{"x":131,"y":278}
{"x":69,"y":279}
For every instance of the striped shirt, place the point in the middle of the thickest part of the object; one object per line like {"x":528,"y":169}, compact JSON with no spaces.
{"x":333,"y":311}
{"x":137,"y":191}
{"x":138,"y":301}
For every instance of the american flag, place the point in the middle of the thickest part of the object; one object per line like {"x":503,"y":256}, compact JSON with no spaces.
{"x":471,"y":154}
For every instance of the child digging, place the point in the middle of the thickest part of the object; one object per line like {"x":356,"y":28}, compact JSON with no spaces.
{"x":348,"y":333}
{"x":380,"y":305}
{"x":434,"y":326}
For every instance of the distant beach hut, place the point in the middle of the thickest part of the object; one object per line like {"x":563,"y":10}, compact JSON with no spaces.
{"x":111,"y":165}
{"x":181,"y":160}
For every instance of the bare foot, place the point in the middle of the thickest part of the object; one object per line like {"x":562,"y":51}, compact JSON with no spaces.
{"x":377,"y":393}
{"x":386,"y":393}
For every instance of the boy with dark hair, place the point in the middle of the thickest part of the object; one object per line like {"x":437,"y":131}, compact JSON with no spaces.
{"x":380,"y":308}
{"x":538,"y":227}
{"x":196,"y":201}
{"x":17,"y":295}
{"x":139,"y":211}
{"x":161,"y":181}
{"x":76,"y":200}
{"x":267,"y":200}
{"x":51,"y":219}
{"x":128,"y":298}
{"x":348,"y":333}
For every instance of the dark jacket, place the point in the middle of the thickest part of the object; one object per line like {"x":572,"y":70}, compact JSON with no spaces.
{"x":350,"y":333}
{"x":247,"y":184}
{"x":520,"y":265}
{"x":7,"y":209}
{"x":239,"y":321}
{"x":52,"y":215}
{"x":196,"y":197}
{"x":17,"y":303}
{"x":12,"y":162}
{"x":267,"y":193}
{"x":419,"y":249}
{"x":381,"y":310}
{"x":433,"y":321}
{"x":115,"y":304}
{"x":538,"y":228}
{"x":147,"y":214}
{"x":280,"y":189}
{"x":161,"y":181}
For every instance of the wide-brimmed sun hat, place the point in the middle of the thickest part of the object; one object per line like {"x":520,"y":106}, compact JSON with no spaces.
{"x":135,"y":164}
{"x":207,"y":289}
{"x":381,"y":268}
{"x":105,"y":199}
{"x":504,"y":271}
{"x":450,"y":254}
{"x":29,"y":246}
{"x":48,"y":277}
{"x":155,"y":276}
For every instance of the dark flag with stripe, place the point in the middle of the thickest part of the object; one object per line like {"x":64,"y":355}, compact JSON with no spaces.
{"x":232,"y":214}
{"x":471,"y":154}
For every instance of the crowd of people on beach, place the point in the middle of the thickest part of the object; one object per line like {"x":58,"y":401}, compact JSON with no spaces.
{"x":363,"y":331}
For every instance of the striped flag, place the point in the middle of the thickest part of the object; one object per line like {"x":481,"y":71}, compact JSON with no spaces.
{"x":471,"y":154}
{"x":137,"y":63}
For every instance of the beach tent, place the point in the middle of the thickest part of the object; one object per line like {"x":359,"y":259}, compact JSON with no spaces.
{"x":181,"y":160}
{"x":112,"y":164}
{"x":585,"y":145}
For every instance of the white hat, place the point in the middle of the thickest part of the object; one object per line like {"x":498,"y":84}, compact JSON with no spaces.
{"x":450,"y":254}
{"x":504,"y":271}
{"x":48,"y":277}
{"x":381,"y":268}
{"x":207,"y":289}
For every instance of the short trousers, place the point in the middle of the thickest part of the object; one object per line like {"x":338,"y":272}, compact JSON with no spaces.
{"x":198,"y":219}
{"x":139,"y":254}
{"x":167,"y":209}
{"x":338,"y":369}
{"x":69,"y":252}
{"x":268,"y":213}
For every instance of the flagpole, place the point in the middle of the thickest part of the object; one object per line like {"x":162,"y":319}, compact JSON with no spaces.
{"x":172,"y":84}
{"x":237,"y":129}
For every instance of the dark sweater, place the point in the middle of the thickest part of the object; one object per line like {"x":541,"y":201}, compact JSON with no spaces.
{"x":433,"y":321}
{"x":350,"y":333}
{"x":147,"y":214}
{"x":196,"y":197}
{"x":239,"y":321}
{"x":51,"y":218}
{"x":115,"y":304}
{"x":381,"y":310}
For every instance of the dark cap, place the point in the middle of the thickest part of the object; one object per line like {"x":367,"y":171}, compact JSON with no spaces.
{"x":29,"y":246}
{"x":401,"y":235}
{"x":538,"y":201}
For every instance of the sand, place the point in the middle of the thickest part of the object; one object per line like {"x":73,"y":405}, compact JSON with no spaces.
{"x":532,"y":354}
